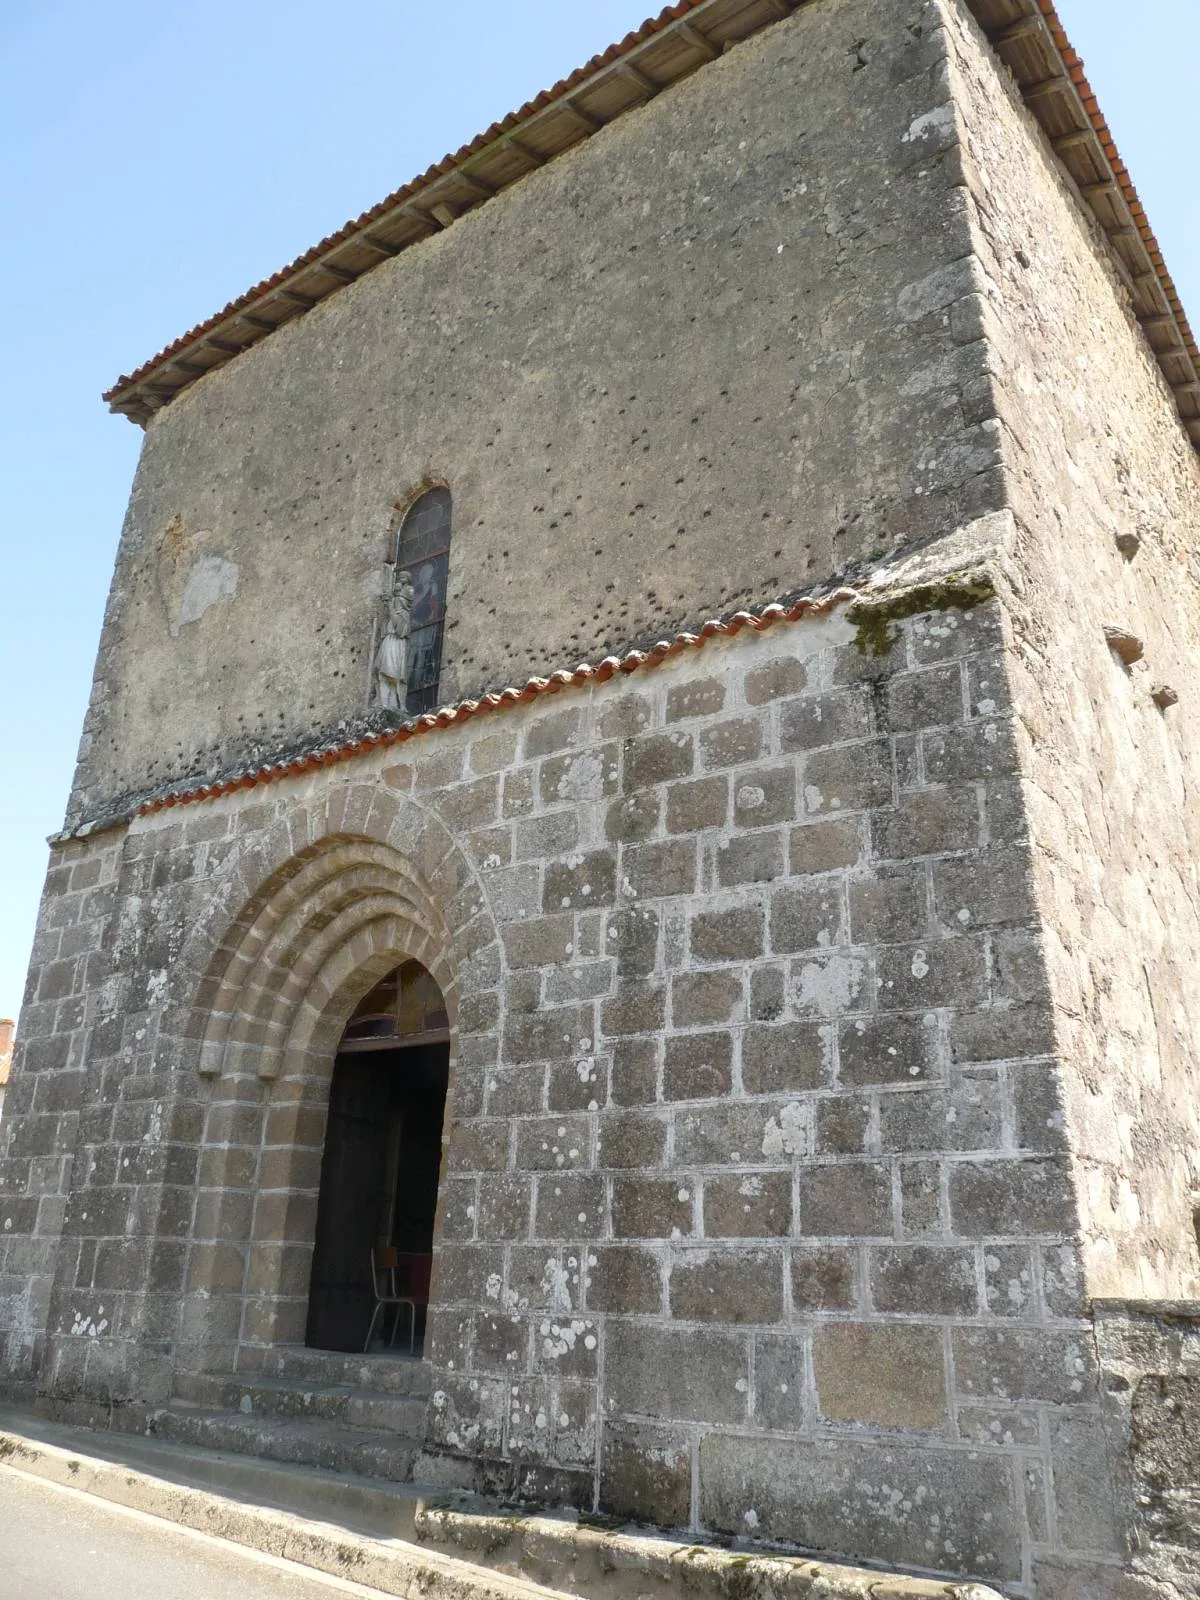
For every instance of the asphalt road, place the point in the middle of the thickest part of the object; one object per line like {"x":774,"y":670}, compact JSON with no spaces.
{"x":58,"y":1544}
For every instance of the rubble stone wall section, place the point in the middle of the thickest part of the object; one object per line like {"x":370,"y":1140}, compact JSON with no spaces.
{"x":1094,"y":452}
{"x":756,"y":1212}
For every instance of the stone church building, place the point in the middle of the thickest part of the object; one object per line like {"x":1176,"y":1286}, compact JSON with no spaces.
{"x":637,"y":828}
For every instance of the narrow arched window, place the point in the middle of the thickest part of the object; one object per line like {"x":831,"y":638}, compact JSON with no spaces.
{"x":423,"y":549}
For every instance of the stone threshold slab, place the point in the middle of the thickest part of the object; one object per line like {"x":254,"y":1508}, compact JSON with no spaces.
{"x":385,"y":1536}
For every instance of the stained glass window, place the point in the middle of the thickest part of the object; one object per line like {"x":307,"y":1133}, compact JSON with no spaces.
{"x":423,"y":549}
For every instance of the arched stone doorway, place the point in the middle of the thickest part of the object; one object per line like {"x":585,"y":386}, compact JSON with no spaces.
{"x":373,"y":1245}
{"x":285,"y":984}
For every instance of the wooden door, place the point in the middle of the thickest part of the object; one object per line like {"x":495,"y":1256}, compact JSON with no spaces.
{"x":352,"y":1203}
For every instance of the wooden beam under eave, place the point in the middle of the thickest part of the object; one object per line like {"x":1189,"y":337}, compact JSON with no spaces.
{"x":520,"y":148}
{"x":1020,"y":29}
{"x":583,"y":119}
{"x":1045,"y":87}
{"x":698,"y":40}
{"x":635,"y":75}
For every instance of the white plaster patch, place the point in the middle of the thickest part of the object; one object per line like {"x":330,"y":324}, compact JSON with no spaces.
{"x":931,"y":122}
{"x":210,"y":581}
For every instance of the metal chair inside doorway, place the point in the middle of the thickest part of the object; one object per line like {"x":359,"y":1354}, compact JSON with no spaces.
{"x":399,"y":1279}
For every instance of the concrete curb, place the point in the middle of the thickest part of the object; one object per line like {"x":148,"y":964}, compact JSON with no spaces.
{"x":486,"y":1554}
{"x":389,"y":1565}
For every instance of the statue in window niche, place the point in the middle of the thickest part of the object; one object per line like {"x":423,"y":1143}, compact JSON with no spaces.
{"x":391,"y":659}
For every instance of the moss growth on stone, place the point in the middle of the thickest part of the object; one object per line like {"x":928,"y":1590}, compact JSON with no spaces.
{"x":873,"y":619}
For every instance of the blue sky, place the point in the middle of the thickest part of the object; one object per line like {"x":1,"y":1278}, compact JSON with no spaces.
{"x":161,"y":157}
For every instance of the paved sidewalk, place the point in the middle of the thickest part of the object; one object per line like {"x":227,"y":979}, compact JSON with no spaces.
{"x":57,"y":1544}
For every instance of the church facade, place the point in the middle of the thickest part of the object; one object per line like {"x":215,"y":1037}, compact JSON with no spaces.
{"x":636,"y":830}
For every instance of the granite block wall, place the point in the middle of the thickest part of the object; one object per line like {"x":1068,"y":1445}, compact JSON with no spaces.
{"x":754,"y":1153}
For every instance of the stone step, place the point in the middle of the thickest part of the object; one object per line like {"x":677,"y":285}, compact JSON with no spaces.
{"x":309,"y":1442}
{"x":410,"y":1540}
{"x":397,"y":1374}
{"x":264,"y":1397}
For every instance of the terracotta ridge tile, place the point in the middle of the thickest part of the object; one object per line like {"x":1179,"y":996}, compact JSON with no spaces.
{"x":758,"y":621}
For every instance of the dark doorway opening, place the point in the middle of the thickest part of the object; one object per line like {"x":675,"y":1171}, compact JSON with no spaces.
{"x":379,"y":1175}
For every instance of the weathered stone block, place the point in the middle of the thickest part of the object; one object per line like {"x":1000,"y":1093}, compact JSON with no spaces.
{"x":635,"y":1008}
{"x":767,"y":998}
{"x":807,"y":915}
{"x":657,"y":758}
{"x":632,"y":936}
{"x":750,"y":858}
{"x":625,"y":716}
{"x":925,"y":822}
{"x":657,"y":871}
{"x":631,"y":1139}
{"x":1002,"y":1033}
{"x":652,"y":1208}
{"x":975,"y":750}
{"x":923,"y":1280}
{"x":634,"y":1079}
{"x":586,"y":775}
{"x":1010,"y":1195}
{"x":625,"y":1279}
{"x":890,"y":1048}
{"x":730,"y":743}
{"x":697,"y":1066}
{"x":554,"y":730}
{"x":933,"y":698}
{"x":964,"y":1115}
{"x":735,"y":934}
{"x":824,"y":846}
{"x":902,"y":1504}
{"x":706,"y":997}
{"x":983,"y":890}
{"x":786,"y":675}
{"x":646,"y":1473}
{"x":547,"y":1034}
{"x":730,"y":1288}
{"x":889,"y":906}
{"x":728,"y":1134}
{"x":502,"y":1206}
{"x":852,"y":777}
{"x":824,"y":1279}
{"x":938,"y":972}
{"x":850,"y":1200}
{"x":570,"y":1205}
{"x":750,"y":1205}
{"x":764,"y":796}
{"x":1009,"y":1286}
{"x":921,"y":1200}
{"x":701,"y":803}
{"x":1024,"y":1364}
{"x":890,"y":1376}
{"x":841,"y":1125}
{"x":580,"y":881}
{"x":825,"y":719}
{"x":634,"y":816}
{"x":700,"y":698}
{"x":550,"y":1143}
{"x":784,"y":1056}
{"x":678,"y":1374}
